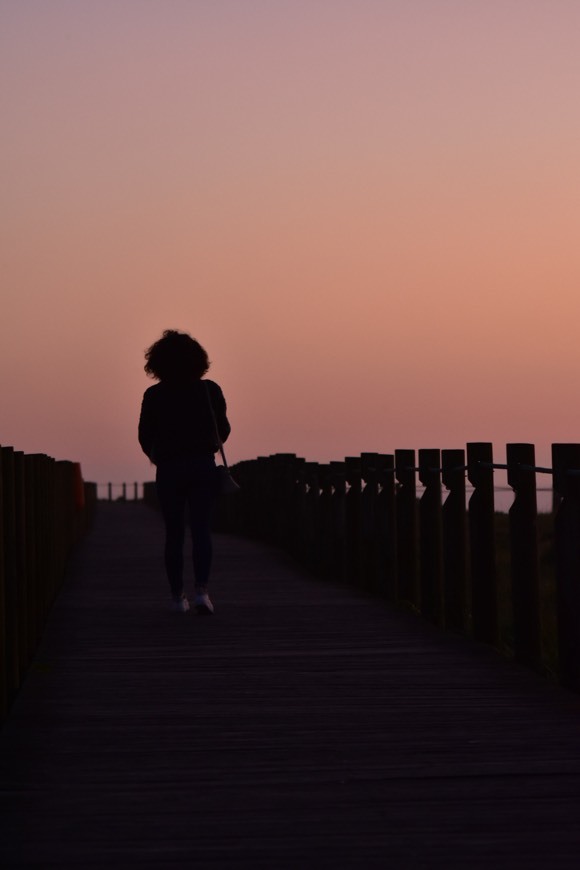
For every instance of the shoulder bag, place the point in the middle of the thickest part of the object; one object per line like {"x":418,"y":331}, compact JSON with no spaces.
{"x":225,"y":482}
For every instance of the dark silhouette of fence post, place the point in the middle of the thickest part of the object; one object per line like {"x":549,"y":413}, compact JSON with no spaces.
{"x":386,"y":526}
{"x":43,"y":511}
{"x":258,"y":518}
{"x":110,"y":491}
{"x":406,"y":505}
{"x":270,"y":519}
{"x":22,"y":591}
{"x":454,"y":519}
{"x":352,"y":465}
{"x":325,"y":516}
{"x":299,"y":531}
{"x":12,"y":672}
{"x":282,"y":496}
{"x":240,"y":511}
{"x":31,"y":508}
{"x":90,"y":492}
{"x":482,"y":543}
{"x":311,"y":543}
{"x":296,"y":522}
{"x":45,"y":516}
{"x":525,"y":573}
{"x":36,"y":473}
{"x":4,"y":667}
{"x":430,"y":536}
{"x":3,"y":660}
{"x":566,"y":467}
{"x":370,"y":540}
{"x":338,"y":475}
{"x":269,"y":515}
{"x":65,"y":531}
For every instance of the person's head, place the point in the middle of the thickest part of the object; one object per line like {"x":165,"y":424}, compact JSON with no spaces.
{"x":176,"y":356}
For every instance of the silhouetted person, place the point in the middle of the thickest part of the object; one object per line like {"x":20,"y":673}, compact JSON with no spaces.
{"x":178,"y":434}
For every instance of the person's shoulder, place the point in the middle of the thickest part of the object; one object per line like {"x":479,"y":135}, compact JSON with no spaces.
{"x":152,"y":391}
{"x":212,"y":386}
{"x":215,"y":394}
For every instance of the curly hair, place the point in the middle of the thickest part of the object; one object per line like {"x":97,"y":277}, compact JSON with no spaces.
{"x":176,"y":356}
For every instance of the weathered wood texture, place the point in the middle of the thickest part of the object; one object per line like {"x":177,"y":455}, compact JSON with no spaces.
{"x":304,"y":726}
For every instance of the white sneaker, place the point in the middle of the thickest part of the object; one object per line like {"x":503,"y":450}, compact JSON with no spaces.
{"x":202,"y":604}
{"x":181,"y":604}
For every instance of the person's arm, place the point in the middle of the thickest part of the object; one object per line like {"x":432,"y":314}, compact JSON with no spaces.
{"x":146,"y":428}
{"x":219,"y":407}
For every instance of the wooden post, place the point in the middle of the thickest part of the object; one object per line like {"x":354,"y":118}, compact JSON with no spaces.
{"x":22,"y":591}
{"x":124,"y":496}
{"x":313,"y":530}
{"x":3,"y":624}
{"x":110,"y":491}
{"x":297,"y":526}
{"x":62,"y":531}
{"x":430,"y":536}
{"x":482,"y":543}
{"x":31,"y":546}
{"x":454,"y":517}
{"x":386,"y":527}
{"x":338,"y":477}
{"x":566,"y":466}
{"x":258,"y":519}
{"x":40,"y":539}
{"x":353,"y":520}
{"x":281,"y":497}
{"x":369,"y":531}
{"x":325,"y":513}
{"x":525,"y":572}
{"x":406,"y":506}
{"x":43,"y":529}
{"x":264,"y":503}
{"x":10,"y":576}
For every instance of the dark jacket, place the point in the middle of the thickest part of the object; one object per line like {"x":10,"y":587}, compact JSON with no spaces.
{"x":176,"y":420}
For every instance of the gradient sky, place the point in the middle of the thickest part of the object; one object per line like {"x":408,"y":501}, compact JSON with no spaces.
{"x":366,"y":210}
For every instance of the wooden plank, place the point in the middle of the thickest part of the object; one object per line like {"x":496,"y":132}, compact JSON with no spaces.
{"x":303,"y":726}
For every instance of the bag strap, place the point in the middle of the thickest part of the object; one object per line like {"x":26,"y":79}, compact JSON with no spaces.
{"x":215,"y":426}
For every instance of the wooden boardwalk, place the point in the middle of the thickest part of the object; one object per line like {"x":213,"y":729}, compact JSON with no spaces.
{"x":303,"y":726}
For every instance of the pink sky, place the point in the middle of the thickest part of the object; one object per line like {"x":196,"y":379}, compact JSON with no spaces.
{"x":366,"y":210}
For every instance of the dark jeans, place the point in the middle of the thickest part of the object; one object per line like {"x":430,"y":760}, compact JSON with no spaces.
{"x":187,"y":483}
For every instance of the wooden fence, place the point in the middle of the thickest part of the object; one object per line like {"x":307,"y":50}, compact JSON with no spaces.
{"x":118,"y":491}
{"x":361,"y":521}
{"x":44,"y":508}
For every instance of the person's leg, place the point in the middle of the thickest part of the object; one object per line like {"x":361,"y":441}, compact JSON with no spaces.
{"x":172,"y":499}
{"x":200,"y":500}
{"x":200,"y":496}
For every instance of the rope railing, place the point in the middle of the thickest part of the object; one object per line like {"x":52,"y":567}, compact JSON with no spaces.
{"x":503,"y":466}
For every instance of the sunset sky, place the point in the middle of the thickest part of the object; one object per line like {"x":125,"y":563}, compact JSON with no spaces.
{"x":367,"y":211}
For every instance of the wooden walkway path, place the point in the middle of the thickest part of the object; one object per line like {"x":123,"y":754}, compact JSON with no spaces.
{"x":302,"y":727}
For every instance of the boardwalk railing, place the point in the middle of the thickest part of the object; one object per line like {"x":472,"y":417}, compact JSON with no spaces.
{"x":44,"y":508}
{"x":118,"y":491}
{"x":361,"y":521}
